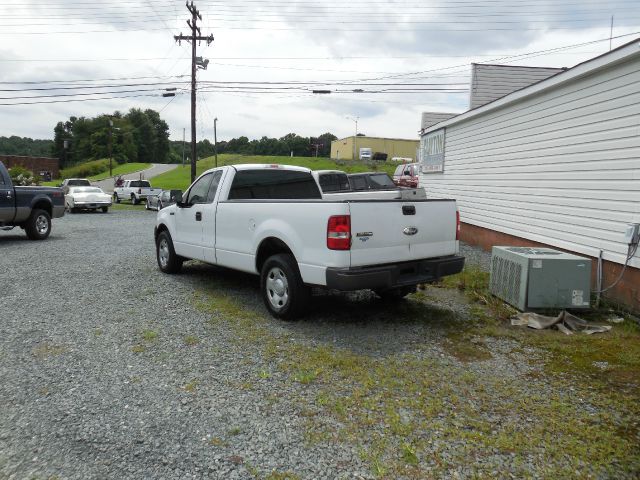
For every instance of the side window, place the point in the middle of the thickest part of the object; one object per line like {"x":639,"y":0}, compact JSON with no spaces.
{"x":359,"y":183}
{"x":398,"y":171}
{"x":214,"y":186}
{"x":199,"y":190}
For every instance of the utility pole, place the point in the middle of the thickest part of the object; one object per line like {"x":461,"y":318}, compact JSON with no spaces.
{"x":183,"y":133}
{"x":110,"y":148}
{"x":215,"y":139}
{"x":196,"y":35}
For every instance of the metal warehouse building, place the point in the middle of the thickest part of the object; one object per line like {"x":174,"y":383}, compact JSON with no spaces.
{"x":344,"y":148}
{"x":555,"y":163}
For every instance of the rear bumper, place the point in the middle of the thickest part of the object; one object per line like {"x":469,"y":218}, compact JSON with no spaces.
{"x":394,"y":275}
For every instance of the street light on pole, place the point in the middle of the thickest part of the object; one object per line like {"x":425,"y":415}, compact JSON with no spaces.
{"x":355,"y":139}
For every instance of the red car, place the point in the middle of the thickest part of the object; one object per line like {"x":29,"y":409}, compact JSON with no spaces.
{"x":407,"y":175}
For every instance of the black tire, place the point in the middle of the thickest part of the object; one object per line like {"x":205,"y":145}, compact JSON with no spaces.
{"x":395,"y":294}
{"x":38,"y":225}
{"x":74,"y":210}
{"x":134,"y":200}
{"x":172,"y":263}
{"x":105,"y":209}
{"x":116,"y":198}
{"x":283,"y":292}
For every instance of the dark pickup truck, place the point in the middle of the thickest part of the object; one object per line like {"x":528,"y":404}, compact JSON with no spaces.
{"x":30,"y":208}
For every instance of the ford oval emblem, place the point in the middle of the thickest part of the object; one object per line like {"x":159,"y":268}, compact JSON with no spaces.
{"x":410,"y":231}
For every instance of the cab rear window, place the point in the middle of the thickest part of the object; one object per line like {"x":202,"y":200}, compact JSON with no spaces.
{"x":273,"y":184}
{"x":139,"y":183}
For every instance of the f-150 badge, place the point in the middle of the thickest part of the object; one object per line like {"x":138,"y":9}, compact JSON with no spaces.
{"x":364,"y":236}
{"x":410,"y":231}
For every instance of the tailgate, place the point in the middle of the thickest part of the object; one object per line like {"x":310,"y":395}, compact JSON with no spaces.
{"x":396,"y":231}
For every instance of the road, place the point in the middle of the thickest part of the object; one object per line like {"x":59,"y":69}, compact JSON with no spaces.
{"x":155,"y":169}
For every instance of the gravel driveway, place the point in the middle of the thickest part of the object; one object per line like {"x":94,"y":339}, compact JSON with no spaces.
{"x":110,"y":369}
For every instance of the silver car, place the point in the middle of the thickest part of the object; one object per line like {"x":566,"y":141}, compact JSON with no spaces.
{"x":166,"y":198}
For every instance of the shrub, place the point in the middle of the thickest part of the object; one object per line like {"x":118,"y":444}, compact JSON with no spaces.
{"x":87,"y":169}
{"x":22,"y":177}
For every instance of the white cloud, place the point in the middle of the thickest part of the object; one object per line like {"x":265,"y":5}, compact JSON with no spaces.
{"x":390,"y":46}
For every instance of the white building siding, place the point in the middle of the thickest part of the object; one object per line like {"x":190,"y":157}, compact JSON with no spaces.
{"x":490,"y":82}
{"x":560,"y":167}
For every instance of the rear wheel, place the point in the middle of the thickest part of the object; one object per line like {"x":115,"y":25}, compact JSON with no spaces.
{"x":283,"y":292}
{"x":38,"y":225}
{"x":134,"y":200}
{"x":168,"y":261}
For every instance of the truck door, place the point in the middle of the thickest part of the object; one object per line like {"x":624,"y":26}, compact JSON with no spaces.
{"x":188,"y":241}
{"x":209,"y":219}
{"x":7,"y":200}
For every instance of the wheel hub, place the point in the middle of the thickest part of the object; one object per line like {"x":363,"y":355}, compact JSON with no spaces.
{"x":277,"y":288}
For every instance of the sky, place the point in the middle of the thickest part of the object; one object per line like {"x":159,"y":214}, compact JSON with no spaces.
{"x":384,"y":62}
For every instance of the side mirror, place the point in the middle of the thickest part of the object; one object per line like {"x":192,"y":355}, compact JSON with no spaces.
{"x":177,"y":197}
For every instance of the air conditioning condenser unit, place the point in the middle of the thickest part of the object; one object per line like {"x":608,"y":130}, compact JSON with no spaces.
{"x":532,"y":277}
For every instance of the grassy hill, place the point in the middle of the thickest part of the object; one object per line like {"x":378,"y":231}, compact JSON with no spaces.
{"x":180,"y":177}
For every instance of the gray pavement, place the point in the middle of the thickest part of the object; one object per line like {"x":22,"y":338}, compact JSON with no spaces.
{"x":155,"y":169}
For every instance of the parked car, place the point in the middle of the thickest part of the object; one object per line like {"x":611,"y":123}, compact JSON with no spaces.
{"x":331,"y":181}
{"x":407,"y":175}
{"x":272,"y":220}
{"x":371,"y":181}
{"x":74,"y":182}
{"x":166,"y":198}
{"x":30,"y":208}
{"x":135,"y":190}
{"x":87,"y":198}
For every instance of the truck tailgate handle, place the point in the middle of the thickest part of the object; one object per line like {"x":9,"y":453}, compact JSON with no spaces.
{"x":198,"y":216}
{"x":408,"y":210}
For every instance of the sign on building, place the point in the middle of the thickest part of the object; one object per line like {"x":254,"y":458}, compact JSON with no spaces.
{"x":432,"y":152}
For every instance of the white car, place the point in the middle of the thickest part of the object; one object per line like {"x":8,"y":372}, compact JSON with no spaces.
{"x":87,"y":198}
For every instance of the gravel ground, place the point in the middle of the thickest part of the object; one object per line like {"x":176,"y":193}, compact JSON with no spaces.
{"x":109,"y":369}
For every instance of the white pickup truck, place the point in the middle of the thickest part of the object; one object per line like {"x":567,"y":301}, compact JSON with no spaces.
{"x":135,"y":190}
{"x":272,"y":220}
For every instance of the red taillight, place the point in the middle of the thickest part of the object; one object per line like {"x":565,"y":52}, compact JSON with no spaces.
{"x":457,"y":225}
{"x":339,"y":232}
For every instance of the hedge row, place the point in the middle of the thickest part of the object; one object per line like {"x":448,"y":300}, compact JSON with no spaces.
{"x":84,"y":170}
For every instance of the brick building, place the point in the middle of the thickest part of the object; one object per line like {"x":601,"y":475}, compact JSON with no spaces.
{"x":37,"y":165}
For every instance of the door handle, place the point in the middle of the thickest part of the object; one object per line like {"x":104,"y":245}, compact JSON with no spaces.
{"x":198,"y":216}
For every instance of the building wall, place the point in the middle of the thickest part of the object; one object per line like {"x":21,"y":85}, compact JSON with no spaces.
{"x":431,"y":118}
{"x":560,"y":167}
{"x":490,"y":82}
{"x":34,"y":164}
{"x":393,"y":147}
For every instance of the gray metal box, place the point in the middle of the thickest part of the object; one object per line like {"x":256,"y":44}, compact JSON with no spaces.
{"x":532,"y":277}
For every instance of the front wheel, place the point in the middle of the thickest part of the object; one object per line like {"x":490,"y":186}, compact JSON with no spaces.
{"x":134,"y":200}
{"x":38,"y":226}
{"x":116,"y":198}
{"x":105,"y":209}
{"x":283,"y":292}
{"x":168,"y":261}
